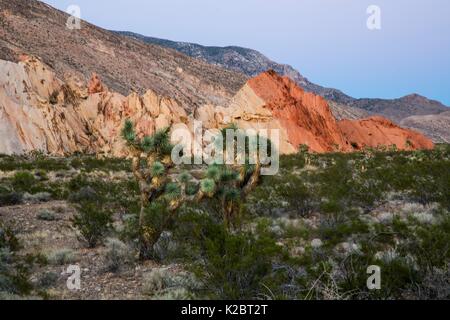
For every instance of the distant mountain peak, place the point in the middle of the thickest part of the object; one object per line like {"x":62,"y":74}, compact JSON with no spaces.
{"x":417,"y":98}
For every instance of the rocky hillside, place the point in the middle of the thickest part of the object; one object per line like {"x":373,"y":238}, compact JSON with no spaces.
{"x":378,"y":131}
{"x":398,"y":109}
{"x":40,"y":111}
{"x":437,"y":126}
{"x":125,"y":65}
{"x":247,"y":61}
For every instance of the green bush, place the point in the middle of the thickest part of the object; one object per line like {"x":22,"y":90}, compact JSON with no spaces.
{"x":61,"y":257}
{"x":14,"y":272}
{"x":47,"y":215}
{"x":48,"y":279}
{"x":10,"y":199}
{"x":236,"y":264}
{"x":93,"y":222}
{"x":23,"y":181}
{"x":117,"y":255}
{"x":230,"y":264}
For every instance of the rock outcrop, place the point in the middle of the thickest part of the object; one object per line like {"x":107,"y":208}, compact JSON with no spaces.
{"x":39,"y":111}
{"x":269,"y":101}
{"x":378,"y":131}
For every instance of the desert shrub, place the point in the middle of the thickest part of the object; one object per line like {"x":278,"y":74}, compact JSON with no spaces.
{"x":430,"y":243}
{"x":32,"y":162}
{"x":10,"y":199}
{"x":47,"y":215}
{"x":299,"y":198}
{"x":173,"y":294}
{"x":23,"y":181}
{"x":37,"y":197}
{"x":8,"y":238}
{"x":236,"y":264}
{"x":117,"y":255}
{"x":41,"y":175}
{"x":48,"y":279}
{"x":156,"y":280}
{"x":14,"y":272}
{"x":91,"y":163}
{"x":164,"y":284}
{"x":165,"y":247}
{"x":85,"y":194}
{"x":61,"y":257}
{"x":78,"y":182}
{"x":93,"y":221}
{"x":435,"y":285}
{"x":50,"y":164}
{"x":230,"y":264}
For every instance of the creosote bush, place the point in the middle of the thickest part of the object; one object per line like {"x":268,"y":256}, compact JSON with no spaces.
{"x":61,"y":257}
{"x":93,"y":221}
{"x":14,"y":271}
{"x":118,"y":255}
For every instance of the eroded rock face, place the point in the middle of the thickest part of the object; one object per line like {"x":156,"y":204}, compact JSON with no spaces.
{"x":378,"y":131}
{"x":95,"y":85}
{"x":38,"y":111}
{"x":306,"y":117}
{"x":269,"y":101}
{"x":32,"y":111}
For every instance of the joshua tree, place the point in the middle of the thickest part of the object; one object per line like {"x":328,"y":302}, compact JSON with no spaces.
{"x":303,"y":149}
{"x":159,"y":181}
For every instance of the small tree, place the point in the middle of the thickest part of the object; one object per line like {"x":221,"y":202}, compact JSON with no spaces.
{"x":93,"y":222}
{"x":303,"y":149}
{"x":159,"y":182}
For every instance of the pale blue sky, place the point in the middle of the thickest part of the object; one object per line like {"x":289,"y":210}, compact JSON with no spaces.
{"x":326,"y":40}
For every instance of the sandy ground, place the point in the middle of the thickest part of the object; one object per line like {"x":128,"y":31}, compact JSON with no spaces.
{"x":47,"y":236}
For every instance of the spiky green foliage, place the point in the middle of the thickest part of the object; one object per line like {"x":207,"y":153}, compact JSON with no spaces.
{"x":158,"y":144}
{"x":152,"y":166}
{"x":172,"y":191}
{"x":185,"y":177}
{"x":14,"y":273}
{"x":158,"y":169}
{"x":213,"y":172}
{"x":128,"y":133}
{"x":208,"y":186}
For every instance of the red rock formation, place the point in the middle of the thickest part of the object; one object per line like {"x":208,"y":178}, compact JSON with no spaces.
{"x":378,"y":131}
{"x":306,"y":116}
{"x":95,"y":84}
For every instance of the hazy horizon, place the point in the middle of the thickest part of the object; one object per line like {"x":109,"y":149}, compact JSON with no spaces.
{"x":326,"y":41}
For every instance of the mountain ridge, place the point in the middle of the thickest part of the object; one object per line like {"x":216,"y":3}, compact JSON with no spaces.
{"x":125,"y":64}
{"x":251,"y":63}
{"x":245,"y":60}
